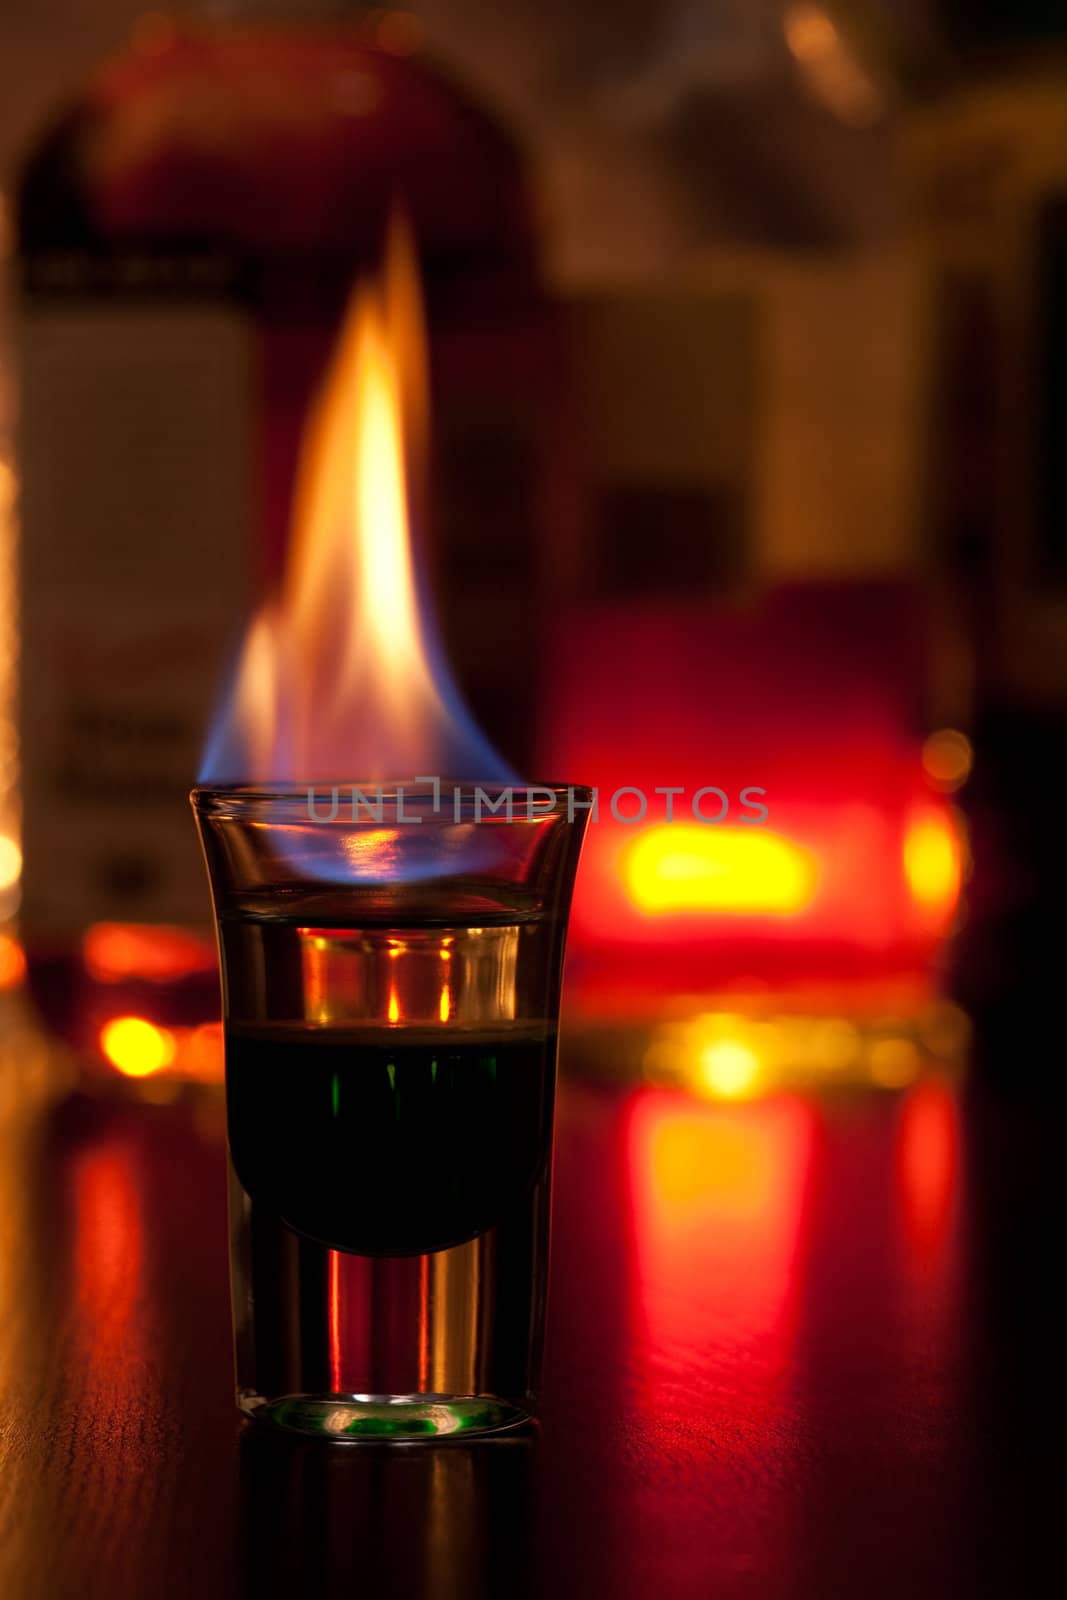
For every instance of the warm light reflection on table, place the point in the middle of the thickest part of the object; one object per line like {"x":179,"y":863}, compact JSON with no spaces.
{"x":108,"y":1249}
{"x":927,"y":1172}
{"x":718,"y":1198}
{"x":792,"y":1354}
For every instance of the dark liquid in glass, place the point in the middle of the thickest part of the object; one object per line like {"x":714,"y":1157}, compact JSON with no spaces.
{"x":386,"y":1146}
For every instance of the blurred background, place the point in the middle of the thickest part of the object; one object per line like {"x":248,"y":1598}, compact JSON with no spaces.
{"x":748,"y":347}
{"x":748,"y":334}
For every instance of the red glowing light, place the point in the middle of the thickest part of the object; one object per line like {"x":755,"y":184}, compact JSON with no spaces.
{"x":927,"y":1165}
{"x":853,"y":876}
{"x":424,"y":1324}
{"x":333,"y":1304}
{"x":108,"y":1250}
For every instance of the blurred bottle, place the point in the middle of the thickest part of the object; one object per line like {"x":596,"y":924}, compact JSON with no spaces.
{"x":986,"y":164}
{"x":987,"y":168}
{"x":188,"y":230}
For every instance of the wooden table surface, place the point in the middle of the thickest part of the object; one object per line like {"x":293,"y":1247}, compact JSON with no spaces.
{"x":797,"y":1348}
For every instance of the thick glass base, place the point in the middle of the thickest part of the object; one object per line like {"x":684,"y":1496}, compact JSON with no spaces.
{"x":375,"y":1417}
{"x":344,"y":1344}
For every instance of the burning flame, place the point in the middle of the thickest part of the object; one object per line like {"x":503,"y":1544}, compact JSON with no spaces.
{"x":341,"y":676}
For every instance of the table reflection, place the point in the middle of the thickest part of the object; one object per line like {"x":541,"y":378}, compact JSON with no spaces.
{"x":445,"y":1522}
{"x":787,"y":1323}
{"x":718,"y":1198}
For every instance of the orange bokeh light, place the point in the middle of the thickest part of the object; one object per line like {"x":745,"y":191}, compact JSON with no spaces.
{"x":12,"y":962}
{"x":116,"y":951}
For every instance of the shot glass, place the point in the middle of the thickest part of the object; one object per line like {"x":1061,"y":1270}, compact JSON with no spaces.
{"x":391,"y":962}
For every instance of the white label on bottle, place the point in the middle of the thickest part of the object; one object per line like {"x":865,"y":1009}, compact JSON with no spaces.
{"x":136,"y":508}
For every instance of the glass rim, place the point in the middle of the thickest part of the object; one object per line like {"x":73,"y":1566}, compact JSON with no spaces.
{"x":249,"y":799}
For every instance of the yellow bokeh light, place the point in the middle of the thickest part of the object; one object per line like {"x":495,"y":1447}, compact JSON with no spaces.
{"x":136,"y":1047}
{"x":10,"y":862}
{"x":728,"y":1069}
{"x":932,"y":861}
{"x":674,"y":867}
